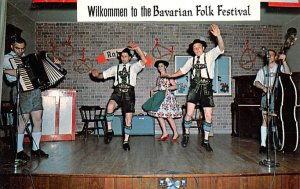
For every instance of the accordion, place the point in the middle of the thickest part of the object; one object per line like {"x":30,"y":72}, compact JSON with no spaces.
{"x":37,"y":71}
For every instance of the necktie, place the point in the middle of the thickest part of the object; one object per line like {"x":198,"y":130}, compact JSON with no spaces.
{"x":198,"y":71}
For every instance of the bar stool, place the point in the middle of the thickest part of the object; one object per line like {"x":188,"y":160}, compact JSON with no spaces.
{"x":93,"y":114}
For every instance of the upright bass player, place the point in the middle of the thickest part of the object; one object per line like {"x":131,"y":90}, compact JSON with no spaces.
{"x":265,"y":80}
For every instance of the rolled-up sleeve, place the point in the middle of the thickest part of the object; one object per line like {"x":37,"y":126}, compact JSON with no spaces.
{"x":259,"y":77}
{"x":137,"y":67}
{"x":7,"y":65}
{"x":110,"y":72}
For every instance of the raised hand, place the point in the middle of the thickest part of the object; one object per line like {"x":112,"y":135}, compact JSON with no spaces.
{"x":215,"y":30}
{"x":57,"y":60}
{"x":137,"y":49}
{"x":133,"y":45}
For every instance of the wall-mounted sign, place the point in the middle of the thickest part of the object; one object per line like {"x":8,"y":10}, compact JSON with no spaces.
{"x":167,"y":10}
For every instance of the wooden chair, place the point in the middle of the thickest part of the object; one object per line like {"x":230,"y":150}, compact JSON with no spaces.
{"x":93,"y":114}
{"x":197,"y":117}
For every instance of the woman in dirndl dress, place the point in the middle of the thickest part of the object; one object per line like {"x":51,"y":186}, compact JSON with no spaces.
{"x":169,"y":108}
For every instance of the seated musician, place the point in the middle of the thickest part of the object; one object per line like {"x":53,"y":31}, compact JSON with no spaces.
{"x":30,"y":103}
{"x":265,"y":80}
{"x":123,"y":95}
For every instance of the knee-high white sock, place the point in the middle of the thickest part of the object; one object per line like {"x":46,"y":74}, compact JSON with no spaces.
{"x":263,"y":135}
{"x":36,"y":140}
{"x":20,"y":142}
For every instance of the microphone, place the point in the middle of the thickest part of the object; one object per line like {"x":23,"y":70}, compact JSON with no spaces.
{"x":264,"y":52}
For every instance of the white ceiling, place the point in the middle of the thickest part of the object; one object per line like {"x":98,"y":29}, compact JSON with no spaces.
{"x":269,"y":15}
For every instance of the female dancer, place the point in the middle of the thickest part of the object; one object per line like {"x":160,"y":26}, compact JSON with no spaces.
{"x":169,"y":109}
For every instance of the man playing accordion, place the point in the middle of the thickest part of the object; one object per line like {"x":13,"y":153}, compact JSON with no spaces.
{"x":30,"y":103}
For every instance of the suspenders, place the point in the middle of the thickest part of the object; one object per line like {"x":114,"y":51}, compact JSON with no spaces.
{"x":266,"y":74}
{"x":205,"y":65}
{"x":128,"y":76}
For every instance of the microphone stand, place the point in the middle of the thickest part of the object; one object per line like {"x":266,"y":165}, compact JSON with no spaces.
{"x":269,"y":117}
{"x":17,"y":162}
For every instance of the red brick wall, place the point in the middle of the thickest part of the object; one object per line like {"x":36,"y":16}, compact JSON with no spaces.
{"x":97,"y":37}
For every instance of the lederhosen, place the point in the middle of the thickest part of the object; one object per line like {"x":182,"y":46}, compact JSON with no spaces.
{"x":200,"y":90}
{"x":124,"y":94}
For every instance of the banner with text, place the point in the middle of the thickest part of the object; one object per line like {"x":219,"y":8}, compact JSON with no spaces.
{"x":167,"y":10}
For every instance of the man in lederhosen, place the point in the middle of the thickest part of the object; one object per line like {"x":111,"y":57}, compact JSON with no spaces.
{"x":202,"y":67}
{"x":123,"y":95}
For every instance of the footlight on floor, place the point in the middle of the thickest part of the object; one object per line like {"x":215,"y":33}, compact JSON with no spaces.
{"x":171,"y":183}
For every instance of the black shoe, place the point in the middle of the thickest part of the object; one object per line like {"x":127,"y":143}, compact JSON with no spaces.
{"x":39,"y":153}
{"x":126,"y":146}
{"x":262,"y":149}
{"x":23,"y":156}
{"x":108,"y":136}
{"x":207,"y":146}
{"x":185,"y":140}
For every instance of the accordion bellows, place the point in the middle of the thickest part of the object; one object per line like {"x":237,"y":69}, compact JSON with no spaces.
{"x":37,"y":71}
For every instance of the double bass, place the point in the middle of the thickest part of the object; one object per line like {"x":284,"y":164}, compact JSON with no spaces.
{"x":285,"y":94}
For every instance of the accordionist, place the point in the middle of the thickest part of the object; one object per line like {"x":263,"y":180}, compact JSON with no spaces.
{"x":30,"y":103}
{"x":36,"y":70}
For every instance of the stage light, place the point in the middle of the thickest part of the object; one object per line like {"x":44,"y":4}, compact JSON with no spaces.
{"x":171,"y":183}
{"x":183,"y":182}
{"x":161,"y":182}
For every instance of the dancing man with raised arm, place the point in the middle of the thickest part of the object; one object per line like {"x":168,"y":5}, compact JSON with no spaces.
{"x":125,"y":75}
{"x":202,"y":73}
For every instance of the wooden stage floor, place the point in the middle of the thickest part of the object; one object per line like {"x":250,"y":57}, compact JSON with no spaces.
{"x":233,"y":164}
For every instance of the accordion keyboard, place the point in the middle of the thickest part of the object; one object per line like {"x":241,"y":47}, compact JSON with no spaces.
{"x":24,"y":78}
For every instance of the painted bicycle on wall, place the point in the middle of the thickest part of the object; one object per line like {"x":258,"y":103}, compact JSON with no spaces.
{"x":160,"y":51}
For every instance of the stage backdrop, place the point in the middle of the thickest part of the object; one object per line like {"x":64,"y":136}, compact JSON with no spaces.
{"x":78,"y":45}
